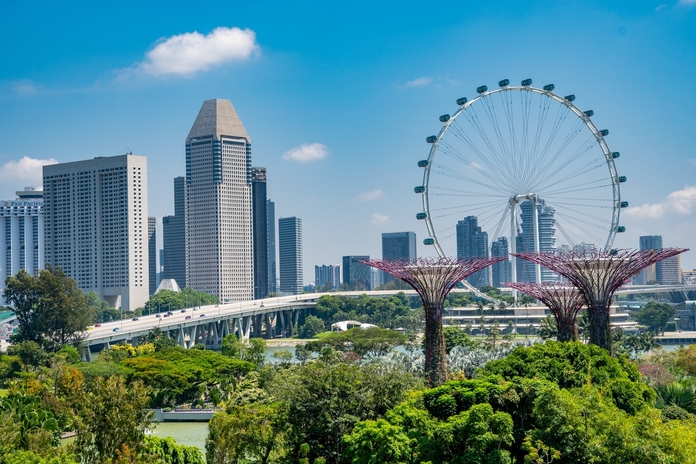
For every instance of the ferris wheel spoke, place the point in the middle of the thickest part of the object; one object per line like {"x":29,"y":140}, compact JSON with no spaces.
{"x":586,"y":217}
{"x":472,"y":206}
{"x":506,"y":101}
{"x":460,"y":133}
{"x":543,"y":169}
{"x":463,"y":193}
{"x":585,"y":186}
{"x":451,"y":173}
{"x":494,"y":155}
{"x":455,"y":154}
{"x":579,"y":227}
{"x":504,"y":216}
{"x":569,"y":166}
{"x":557,"y":124}
{"x":596,"y":164}
{"x":489,"y":106}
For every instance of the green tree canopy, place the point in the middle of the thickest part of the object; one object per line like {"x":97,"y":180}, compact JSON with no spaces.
{"x":363,"y":342}
{"x":655,"y":316}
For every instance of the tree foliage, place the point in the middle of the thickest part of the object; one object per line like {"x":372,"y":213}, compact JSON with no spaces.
{"x":363,"y":342}
{"x":655,"y":316}
{"x":50,"y":308}
{"x":168,"y":300}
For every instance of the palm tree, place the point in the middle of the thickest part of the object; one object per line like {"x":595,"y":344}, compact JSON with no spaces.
{"x":547,"y":328}
{"x":584,"y":325}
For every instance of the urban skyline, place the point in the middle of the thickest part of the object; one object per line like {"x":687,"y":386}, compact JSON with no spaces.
{"x":387,"y":82}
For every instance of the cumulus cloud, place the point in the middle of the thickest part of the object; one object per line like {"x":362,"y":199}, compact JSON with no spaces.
{"x":679,"y":202}
{"x":27,"y":170}
{"x":189,"y":53}
{"x":687,"y":2}
{"x":421,"y":81}
{"x":378,"y":219}
{"x":25,"y":87}
{"x":307,"y":152}
{"x":370,"y":195}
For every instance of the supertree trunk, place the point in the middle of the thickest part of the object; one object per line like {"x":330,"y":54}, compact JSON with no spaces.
{"x":567,"y":330}
{"x":600,"y":328}
{"x":435,"y":350}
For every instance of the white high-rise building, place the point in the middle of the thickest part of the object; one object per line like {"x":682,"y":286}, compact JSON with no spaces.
{"x":96,"y":226}
{"x":218,"y":189}
{"x":21,"y":234}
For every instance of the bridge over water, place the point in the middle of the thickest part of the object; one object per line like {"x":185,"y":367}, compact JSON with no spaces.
{"x":279,"y":315}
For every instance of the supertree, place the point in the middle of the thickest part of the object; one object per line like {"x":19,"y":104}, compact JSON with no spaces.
{"x":563,"y":300}
{"x":433,"y":279}
{"x":597,"y":275}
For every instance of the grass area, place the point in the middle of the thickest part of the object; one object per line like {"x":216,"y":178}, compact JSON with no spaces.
{"x":3,"y":392}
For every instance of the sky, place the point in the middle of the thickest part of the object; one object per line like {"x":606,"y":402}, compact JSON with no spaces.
{"x":338,"y":97}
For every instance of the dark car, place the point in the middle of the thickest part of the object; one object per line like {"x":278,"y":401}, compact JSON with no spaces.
{"x":135,"y":319}
{"x":202,"y":315}
{"x":158,"y":315}
{"x":97,"y":325}
{"x":116,"y":329}
{"x":169,"y":313}
{"x":187,"y":318}
{"x":183,"y":310}
{"x":166,"y":315}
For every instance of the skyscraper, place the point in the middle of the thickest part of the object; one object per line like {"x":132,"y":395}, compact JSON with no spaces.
{"x":152,"y":253}
{"x":219,"y":226}
{"x":259,"y":218}
{"x":547,"y":240}
{"x":501,"y":271}
{"x":96,"y":226}
{"x":290,"y":254}
{"x":652,"y":273}
{"x":397,"y":245}
{"x":22,"y":233}
{"x":473,"y":243}
{"x":271,"y":248}
{"x":670,"y":271}
{"x":356,"y":275}
{"x":330,"y":274}
{"x":174,"y":238}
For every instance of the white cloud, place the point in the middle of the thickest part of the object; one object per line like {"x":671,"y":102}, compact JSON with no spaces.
{"x":370,"y":195}
{"x":687,"y":2}
{"x":679,"y":202}
{"x":307,"y":152}
{"x":421,"y":81}
{"x":25,"y":87}
{"x":27,"y":170}
{"x":378,"y":219}
{"x":192,"y":52}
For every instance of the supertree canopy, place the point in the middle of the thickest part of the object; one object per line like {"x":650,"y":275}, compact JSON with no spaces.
{"x":564,"y":301}
{"x":433,"y":279}
{"x":597,"y":275}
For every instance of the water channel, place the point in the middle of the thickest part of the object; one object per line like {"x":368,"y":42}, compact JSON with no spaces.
{"x":184,"y":433}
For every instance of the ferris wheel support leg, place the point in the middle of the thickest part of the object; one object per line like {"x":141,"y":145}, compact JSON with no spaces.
{"x":513,"y":248}
{"x":535,"y":215}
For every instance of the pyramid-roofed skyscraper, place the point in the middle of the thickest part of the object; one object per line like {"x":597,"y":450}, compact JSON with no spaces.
{"x":219,"y":227}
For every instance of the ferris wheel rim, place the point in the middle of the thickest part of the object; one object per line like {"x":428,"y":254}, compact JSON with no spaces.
{"x":586,"y":120}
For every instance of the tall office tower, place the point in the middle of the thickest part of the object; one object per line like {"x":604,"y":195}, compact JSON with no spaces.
{"x":174,"y":238}
{"x":152,"y":253}
{"x":397,"y":245}
{"x":356,"y":275}
{"x":501,"y":271}
{"x":218,"y":218}
{"x":330,"y":274}
{"x":670,"y":271}
{"x":473,"y":243}
{"x":290,"y":254}
{"x":271,"y":247}
{"x":22,"y":234}
{"x":96,"y":226}
{"x":547,"y":240}
{"x":259,"y":218}
{"x":650,"y":273}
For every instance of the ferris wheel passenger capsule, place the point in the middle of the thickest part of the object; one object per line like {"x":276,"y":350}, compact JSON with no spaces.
{"x":621,"y":229}
{"x":504,"y":83}
{"x":419,"y":189}
{"x":570,"y":98}
{"x":431,"y":139}
{"x":526,"y":82}
{"x":444,"y":118}
{"x":423,"y":164}
{"x":482,"y":89}
{"x":549,"y":87}
{"x":589,"y":113}
{"x":421,"y":216}
{"x":624,"y":204}
{"x":604,"y":132}
{"x":429,"y":241}
{"x":615,"y":155}
{"x":462,"y":101}
{"x":622,"y":179}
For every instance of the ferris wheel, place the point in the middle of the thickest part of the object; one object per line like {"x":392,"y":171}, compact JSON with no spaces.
{"x":528,"y":165}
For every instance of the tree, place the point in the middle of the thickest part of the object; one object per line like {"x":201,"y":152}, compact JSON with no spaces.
{"x":547,"y":328}
{"x":112,"y":415}
{"x":51,"y":310}
{"x":102,"y":311}
{"x":455,"y":336}
{"x":363,"y":342}
{"x":311,"y":327}
{"x":168,"y":451}
{"x":655,"y":316}
{"x":230,"y":346}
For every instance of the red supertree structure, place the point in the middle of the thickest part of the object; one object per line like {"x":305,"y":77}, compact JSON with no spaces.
{"x":433,"y":279}
{"x":597,"y":275}
{"x":564,"y":301}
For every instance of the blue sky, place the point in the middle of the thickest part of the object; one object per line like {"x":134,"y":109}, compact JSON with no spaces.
{"x":358,"y":84}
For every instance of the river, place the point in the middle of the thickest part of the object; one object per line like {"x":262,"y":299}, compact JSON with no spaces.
{"x":185,"y":433}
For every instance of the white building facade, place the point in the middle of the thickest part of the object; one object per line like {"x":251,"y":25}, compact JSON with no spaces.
{"x":218,"y":207}
{"x":21,"y":234}
{"x":96,"y":226}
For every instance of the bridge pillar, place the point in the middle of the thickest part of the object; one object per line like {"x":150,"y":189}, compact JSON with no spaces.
{"x":256,"y":325}
{"x":181,"y":338}
{"x":245,"y":327}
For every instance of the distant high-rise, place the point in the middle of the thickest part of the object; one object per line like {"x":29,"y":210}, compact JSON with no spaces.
{"x":96,"y":226}
{"x":152,"y":253}
{"x":397,"y":245}
{"x":547,"y":240}
{"x":290,"y":254}
{"x":501,"y":271}
{"x":670,"y":271}
{"x":174,"y":238}
{"x":356,"y":275}
{"x":259,"y":217}
{"x":473,"y":243}
{"x":330,"y":274}
{"x":22,"y":233}
{"x":652,"y":273}
{"x":271,"y":248}
{"x":219,"y":226}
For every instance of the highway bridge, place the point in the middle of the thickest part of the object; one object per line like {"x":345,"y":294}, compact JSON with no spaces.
{"x":210,"y":324}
